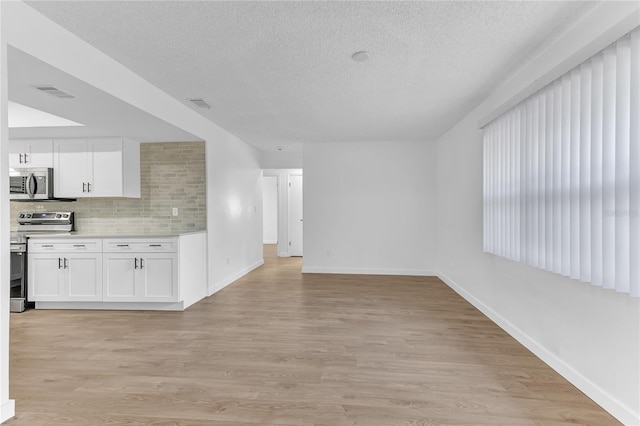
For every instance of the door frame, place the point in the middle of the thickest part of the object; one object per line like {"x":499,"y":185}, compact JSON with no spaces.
{"x":289,"y":175}
{"x":283,"y":176}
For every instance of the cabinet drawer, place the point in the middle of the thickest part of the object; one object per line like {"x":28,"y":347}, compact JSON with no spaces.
{"x":67,"y":246}
{"x":141,"y":246}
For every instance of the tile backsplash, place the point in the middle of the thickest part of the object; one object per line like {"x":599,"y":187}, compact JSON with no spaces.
{"x":172,"y":174}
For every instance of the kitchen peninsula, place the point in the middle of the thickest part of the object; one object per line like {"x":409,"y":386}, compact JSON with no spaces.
{"x":142,"y":272}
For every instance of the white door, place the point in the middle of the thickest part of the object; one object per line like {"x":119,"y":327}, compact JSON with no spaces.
{"x":159,"y":277}
{"x":295,"y":215}
{"x":45,"y":277}
{"x":70,"y":168}
{"x":119,"y":277}
{"x":84,"y":276}
{"x":39,"y":153}
{"x":105,"y":156}
{"x":270,"y":210}
{"x":30,"y":153}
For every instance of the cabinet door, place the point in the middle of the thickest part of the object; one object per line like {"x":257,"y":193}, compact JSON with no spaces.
{"x":70,"y":162}
{"x":16,"y":154}
{"x":83,"y":277}
{"x":45,"y":279}
{"x":119,"y":277}
{"x":30,"y":153}
{"x":159,"y":277}
{"x":106,"y":167}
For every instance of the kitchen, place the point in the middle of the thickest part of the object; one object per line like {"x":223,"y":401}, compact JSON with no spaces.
{"x":103,"y":188}
{"x":171,"y":203}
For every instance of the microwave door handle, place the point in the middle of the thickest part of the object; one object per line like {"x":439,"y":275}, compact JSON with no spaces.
{"x":32,"y":186}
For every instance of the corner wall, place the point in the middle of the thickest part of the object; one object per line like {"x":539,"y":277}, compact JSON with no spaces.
{"x":234,"y":187}
{"x":370,"y":208}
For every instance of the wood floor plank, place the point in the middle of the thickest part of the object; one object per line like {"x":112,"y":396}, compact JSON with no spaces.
{"x":282,"y":348}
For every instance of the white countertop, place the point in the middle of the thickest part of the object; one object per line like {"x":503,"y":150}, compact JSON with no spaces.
{"x":34,"y":235}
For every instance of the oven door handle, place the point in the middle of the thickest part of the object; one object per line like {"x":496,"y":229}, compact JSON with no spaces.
{"x":32,"y":185}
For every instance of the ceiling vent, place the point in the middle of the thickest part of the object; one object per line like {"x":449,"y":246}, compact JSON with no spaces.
{"x":54,"y":91}
{"x":199,"y":102}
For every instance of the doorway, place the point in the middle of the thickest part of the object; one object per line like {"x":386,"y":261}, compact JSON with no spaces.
{"x":282,"y":210}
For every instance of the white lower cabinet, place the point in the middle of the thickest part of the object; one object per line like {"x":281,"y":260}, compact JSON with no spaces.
{"x":65,"y":277}
{"x":154,"y":273}
{"x":140,"y":277}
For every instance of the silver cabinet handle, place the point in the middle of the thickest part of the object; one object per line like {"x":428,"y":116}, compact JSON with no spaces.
{"x":20,"y":160}
{"x":66,"y":263}
{"x":25,"y":158}
{"x":141,"y":263}
{"x":135,"y":263}
{"x":84,"y":184}
{"x":47,"y":246}
{"x":79,"y":245}
{"x":59,"y":263}
{"x":122,"y":245}
{"x":88,"y":187}
{"x":155,"y":245}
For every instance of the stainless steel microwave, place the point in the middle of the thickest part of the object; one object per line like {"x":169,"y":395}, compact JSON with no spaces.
{"x":31,"y":184}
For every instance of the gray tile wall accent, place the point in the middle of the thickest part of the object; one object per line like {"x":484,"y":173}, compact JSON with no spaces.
{"x":172,"y":174}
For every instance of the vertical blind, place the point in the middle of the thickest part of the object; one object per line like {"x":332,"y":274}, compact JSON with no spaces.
{"x":562,"y":173}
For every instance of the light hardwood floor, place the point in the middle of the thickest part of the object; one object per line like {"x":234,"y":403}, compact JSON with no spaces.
{"x":279,"y":347}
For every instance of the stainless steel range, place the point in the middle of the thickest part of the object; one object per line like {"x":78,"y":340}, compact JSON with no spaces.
{"x":30,"y":223}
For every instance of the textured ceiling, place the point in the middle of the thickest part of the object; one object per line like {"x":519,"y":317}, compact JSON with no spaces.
{"x":280,"y":73}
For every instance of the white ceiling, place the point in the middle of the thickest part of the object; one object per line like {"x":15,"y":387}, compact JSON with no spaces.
{"x":100,"y":113}
{"x":280,"y":73}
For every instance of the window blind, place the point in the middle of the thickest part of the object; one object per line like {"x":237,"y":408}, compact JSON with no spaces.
{"x":562,"y":173}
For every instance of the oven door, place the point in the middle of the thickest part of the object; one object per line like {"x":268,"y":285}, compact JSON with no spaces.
{"x":18,"y":278}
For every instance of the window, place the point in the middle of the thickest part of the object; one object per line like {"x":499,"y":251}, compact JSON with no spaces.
{"x":562,"y":173}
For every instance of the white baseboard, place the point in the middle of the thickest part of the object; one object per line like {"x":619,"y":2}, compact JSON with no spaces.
{"x":7,"y":410}
{"x":616,"y":408}
{"x":270,"y":242}
{"x":118,"y":306}
{"x":228,"y":280}
{"x":369,"y":271}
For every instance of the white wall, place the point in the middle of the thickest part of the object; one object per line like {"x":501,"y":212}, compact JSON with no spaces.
{"x":234,"y":195}
{"x":370,"y":208}
{"x":281,"y":159}
{"x":269,"y":209}
{"x":234,"y":210}
{"x":590,"y":335}
{"x":7,"y":406}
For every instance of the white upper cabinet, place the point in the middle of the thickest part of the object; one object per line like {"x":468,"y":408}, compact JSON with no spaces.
{"x":30,"y":153}
{"x":96,"y":167}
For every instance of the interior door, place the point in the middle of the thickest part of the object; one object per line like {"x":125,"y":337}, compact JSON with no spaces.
{"x":295,"y":215}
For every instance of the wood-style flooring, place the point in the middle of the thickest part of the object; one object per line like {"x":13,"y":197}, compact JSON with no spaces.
{"x":280,"y":347}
